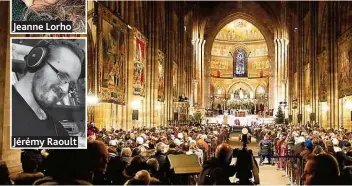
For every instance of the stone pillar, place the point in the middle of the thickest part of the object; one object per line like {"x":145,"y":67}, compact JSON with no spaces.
{"x":200,"y":71}
{"x":11,"y":157}
{"x":195,"y":92}
{"x":280,"y":92}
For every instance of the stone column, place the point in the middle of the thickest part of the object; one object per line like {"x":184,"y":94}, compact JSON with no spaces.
{"x":11,"y":157}
{"x":280,"y":92}
{"x":195,"y":92}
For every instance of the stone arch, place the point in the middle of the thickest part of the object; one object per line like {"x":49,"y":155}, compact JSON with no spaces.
{"x":257,"y":13}
{"x":239,"y":15}
{"x":260,"y":86}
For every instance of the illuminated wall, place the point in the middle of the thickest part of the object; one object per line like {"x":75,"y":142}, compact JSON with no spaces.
{"x":239,"y":34}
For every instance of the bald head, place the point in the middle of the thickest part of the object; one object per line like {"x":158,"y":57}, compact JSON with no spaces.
{"x":223,"y":151}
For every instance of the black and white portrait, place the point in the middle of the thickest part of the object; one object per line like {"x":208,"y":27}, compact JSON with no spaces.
{"x":48,"y":88}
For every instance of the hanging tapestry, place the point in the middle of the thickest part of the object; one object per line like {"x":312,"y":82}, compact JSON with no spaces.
{"x":139,"y":57}
{"x":174,"y":81}
{"x":345,"y":65}
{"x":161,"y":79}
{"x":112,"y":56}
{"x":323,"y":76}
{"x":307,"y":83}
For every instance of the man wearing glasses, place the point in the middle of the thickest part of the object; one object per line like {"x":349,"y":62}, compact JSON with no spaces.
{"x":53,"y":67}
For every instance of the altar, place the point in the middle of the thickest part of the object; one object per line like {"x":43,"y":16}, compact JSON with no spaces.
{"x":233,"y":120}
{"x":239,"y":113}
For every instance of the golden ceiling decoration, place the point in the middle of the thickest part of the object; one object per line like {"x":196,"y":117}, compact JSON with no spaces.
{"x":239,"y":30}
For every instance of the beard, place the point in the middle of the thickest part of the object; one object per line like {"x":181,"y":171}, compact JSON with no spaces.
{"x":43,"y":90}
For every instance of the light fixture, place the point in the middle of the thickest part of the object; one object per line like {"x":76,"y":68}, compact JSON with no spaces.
{"x":129,"y":27}
{"x":158,"y":106}
{"x":349,"y":105}
{"x":136,"y":105}
{"x":92,"y":99}
{"x":325,"y":107}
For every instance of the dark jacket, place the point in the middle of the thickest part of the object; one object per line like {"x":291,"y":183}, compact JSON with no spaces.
{"x":216,"y":172}
{"x":115,"y":168}
{"x":164,"y":166}
{"x":27,"y":178}
{"x":266,"y":147}
{"x":51,"y":181}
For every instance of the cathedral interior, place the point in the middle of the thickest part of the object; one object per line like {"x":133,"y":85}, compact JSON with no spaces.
{"x":159,"y":63}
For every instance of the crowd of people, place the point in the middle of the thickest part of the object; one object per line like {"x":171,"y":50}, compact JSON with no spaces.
{"x":303,"y":148}
{"x":139,"y":156}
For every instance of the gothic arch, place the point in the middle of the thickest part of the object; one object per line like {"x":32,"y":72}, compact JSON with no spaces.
{"x":260,"y":86}
{"x":227,"y":12}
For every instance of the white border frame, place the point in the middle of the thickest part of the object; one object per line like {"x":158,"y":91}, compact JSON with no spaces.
{"x":86,"y":75}
{"x":17,"y":33}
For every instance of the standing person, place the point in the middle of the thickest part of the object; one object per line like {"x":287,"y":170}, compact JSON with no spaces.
{"x":53,"y":68}
{"x":265,"y":149}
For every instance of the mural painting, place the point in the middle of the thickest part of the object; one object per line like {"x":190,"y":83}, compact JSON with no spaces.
{"x":239,"y":30}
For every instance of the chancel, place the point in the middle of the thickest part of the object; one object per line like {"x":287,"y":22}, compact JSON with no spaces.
{"x":244,"y":92}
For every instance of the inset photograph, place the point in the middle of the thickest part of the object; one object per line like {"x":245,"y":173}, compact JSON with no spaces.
{"x":48,"y":107}
{"x":49,"y":16}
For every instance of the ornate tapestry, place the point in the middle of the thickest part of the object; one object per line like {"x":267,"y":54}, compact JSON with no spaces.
{"x":295,"y":88}
{"x":161,"y":77}
{"x":307,"y":83}
{"x":111,"y":56}
{"x":323,"y":75}
{"x":139,"y":58}
{"x":345,"y":65}
{"x":174,"y":81}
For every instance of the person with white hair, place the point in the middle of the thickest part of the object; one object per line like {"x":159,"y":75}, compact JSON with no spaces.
{"x":113,"y":141}
{"x":335,"y":142}
{"x":140,"y":143}
{"x":193,"y":149}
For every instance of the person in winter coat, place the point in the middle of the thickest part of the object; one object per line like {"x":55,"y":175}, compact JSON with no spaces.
{"x":265,"y":149}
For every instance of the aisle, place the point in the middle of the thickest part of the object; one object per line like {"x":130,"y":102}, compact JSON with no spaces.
{"x":267,"y":173}
{"x":270,"y":176}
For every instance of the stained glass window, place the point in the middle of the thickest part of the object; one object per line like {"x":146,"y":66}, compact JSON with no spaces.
{"x":240,"y":63}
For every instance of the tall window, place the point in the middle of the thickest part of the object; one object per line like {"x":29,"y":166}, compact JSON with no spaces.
{"x":240,"y":63}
